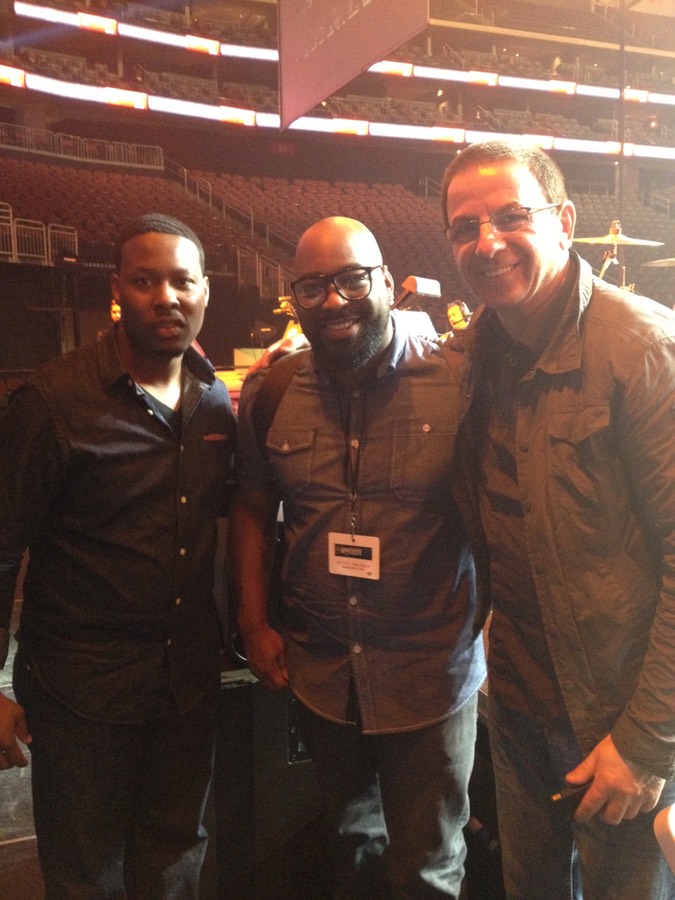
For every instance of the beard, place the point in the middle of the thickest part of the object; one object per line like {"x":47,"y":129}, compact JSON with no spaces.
{"x":353,"y":354}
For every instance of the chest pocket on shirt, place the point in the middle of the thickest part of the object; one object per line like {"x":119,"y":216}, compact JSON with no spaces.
{"x":583,"y":454}
{"x":421,"y":459}
{"x":291,"y":452}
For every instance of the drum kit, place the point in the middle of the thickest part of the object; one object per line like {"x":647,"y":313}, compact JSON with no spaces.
{"x":614,"y":239}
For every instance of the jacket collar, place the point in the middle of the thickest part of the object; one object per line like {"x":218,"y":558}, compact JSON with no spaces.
{"x":563,"y":351}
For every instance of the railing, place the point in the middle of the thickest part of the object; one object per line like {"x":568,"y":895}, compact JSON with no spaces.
{"x":31,"y":241}
{"x":202,"y":190}
{"x":62,"y":244}
{"x":430,"y":187}
{"x":7,"y":233}
{"x":659,"y":203}
{"x":272,"y":279}
{"x":70,"y":146}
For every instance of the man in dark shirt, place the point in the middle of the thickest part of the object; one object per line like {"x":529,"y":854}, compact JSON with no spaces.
{"x":116,"y":461}
{"x":377,"y":639}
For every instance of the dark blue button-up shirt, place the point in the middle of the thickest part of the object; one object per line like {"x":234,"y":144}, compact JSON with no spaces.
{"x":118,"y":510}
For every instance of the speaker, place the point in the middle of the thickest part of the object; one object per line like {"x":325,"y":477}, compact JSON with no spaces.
{"x":483,"y":879}
{"x":268,"y":841}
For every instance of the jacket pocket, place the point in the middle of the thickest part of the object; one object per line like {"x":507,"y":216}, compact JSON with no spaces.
{"x":575,"y":427}
{"x":585,"y":465}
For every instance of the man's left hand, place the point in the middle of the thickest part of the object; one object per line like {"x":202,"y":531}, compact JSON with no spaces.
{"x":619,"y":790}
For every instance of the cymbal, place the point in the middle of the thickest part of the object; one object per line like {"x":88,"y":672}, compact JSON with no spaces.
{"x":619,"y":238}
{"x":658,"y":263}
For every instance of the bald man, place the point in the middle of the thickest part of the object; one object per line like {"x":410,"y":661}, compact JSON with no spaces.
{"x":378,"y":642}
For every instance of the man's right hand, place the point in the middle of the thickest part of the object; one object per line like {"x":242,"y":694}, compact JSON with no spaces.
{"x":278,"y":349}
{"x":266,"y":655}
{"x":13,"y":728}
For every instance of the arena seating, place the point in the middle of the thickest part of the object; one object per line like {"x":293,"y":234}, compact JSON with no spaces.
{"x":409,"y":226}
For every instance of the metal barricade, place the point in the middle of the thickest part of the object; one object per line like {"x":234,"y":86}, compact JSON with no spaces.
{"x":7,"y":236}
{"x":62,"y":244}
{"x":31,"y":241}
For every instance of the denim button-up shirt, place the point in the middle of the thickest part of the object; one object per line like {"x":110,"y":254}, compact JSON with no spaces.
{"x":119,"y":515}
{"x":402,"y":647}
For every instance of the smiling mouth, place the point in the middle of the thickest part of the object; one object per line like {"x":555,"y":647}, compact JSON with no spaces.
{"x":337,"y":325}
{"x":495,"y":273}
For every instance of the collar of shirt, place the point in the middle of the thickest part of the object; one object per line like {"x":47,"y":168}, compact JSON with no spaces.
{"x":112,"y":371}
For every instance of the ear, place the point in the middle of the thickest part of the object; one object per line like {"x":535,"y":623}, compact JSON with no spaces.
{"x":389,"y":282}
{"x":568,"y":218}
{"x":207,"y":290}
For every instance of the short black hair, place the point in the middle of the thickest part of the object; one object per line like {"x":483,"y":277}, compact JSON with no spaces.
{"x":545,"y":170}
{"x":161,"y":223}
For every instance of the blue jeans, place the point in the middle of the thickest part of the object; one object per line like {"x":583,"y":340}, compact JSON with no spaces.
{"x":395,"y":804}
{"x":546,"y":855}
{"x":118,"y":808}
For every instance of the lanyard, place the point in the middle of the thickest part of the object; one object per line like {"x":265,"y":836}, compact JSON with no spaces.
{"x":352,"y":465}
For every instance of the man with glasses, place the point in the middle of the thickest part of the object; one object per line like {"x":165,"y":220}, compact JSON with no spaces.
{"x":567,"y":470}
{"x":379,"y":641}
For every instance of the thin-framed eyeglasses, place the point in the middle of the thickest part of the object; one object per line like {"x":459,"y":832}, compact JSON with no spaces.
{"x":352,"y":283}
{"x":463,"y":231}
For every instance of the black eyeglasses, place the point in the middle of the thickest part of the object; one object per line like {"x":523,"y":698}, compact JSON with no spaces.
{"x":463,"y":231}
{"x":353,"y":283}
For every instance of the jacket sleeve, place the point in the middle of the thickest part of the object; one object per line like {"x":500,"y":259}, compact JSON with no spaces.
{"x":645,"y":731}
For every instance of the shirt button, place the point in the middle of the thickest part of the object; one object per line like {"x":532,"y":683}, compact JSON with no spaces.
{"x":150,"y":412}
{"x":353,"y":601}
{"x":168,"y":642}
{"x":178,"y":602}
{"x":182,"y":551}
{"x":183,"y":499}
{"x":356,"y":648}
{"x":355,"y":443}
{"x":426,"y":428}
{"x":285,"y":446}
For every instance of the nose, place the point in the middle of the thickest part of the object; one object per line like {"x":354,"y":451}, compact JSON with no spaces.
{"x":488,"y":240}
{"x":165,"y":294}
{"x":333,"y":298}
